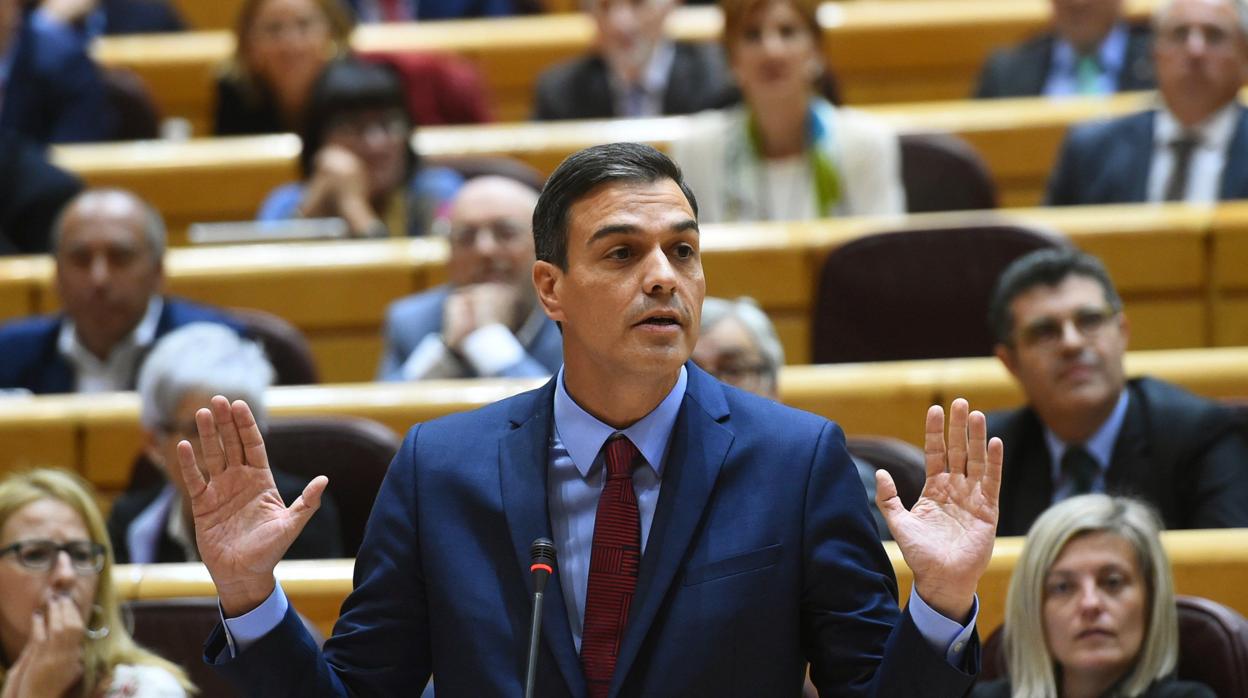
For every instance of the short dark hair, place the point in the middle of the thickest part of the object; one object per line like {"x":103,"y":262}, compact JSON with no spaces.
{"x":583,"y":171}
{"x":1047,"y":267}
{"x":344,"y":86}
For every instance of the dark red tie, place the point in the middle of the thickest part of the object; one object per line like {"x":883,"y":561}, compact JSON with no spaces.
{"x":613,"y":563}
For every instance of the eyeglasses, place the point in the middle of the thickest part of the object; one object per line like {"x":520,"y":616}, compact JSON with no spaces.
{"x":392,"y":124}
{"x":1211,"y":35}
{"x":1048,"y":331}
{"x":87,"y":557}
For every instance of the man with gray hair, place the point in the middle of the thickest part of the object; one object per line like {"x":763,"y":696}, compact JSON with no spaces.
{"x":1193,"y":146}
{"x":109,"y":247}
{"x":186,"y":368}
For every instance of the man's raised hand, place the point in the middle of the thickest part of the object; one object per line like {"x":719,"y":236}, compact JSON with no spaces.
{"x":947,"y":537}
{"x":242,"y":527}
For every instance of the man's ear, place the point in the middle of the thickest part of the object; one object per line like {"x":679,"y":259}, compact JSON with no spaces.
{"x":547,"y":281}
{"x":1005,"y":353}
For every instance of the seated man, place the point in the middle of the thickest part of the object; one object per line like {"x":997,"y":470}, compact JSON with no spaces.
{"x":188,"y":367}
{"x":1060,"y":331}
{"x":636,"y":71}
{"x":1088,"y":50}
{"x":738,"y":344}
{"x":51,"y":88}
{"x":109,"y":246}
{"x":486,"y":321}
{"x":1194,"y":145}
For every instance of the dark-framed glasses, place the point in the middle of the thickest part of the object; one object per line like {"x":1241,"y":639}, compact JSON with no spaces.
{"x":1048,"y":331}
{"x":86,"y":557}
{"x":501,"y":230}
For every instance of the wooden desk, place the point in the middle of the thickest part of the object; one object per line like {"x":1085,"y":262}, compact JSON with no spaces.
{"x":337,"y":292}
{"x":1230,"y":275}
{"x":1210,"y":563}
{"x":895,"y":51}
{"x":226,"y":179}
{"x":99,"y":436}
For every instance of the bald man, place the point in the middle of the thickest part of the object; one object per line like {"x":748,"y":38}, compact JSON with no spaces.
{"x":485,"y":321}
{"x":108,"y":246}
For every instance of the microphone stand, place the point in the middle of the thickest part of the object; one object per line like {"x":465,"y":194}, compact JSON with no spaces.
{"x":542,"y":565}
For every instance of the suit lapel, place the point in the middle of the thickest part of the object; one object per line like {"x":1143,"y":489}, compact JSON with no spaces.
{"x":523,"y":460}
{"x":698,"y":448}
{"x":1129,"y":470}
{"x":1027,"y":483}
{"x":1235,"y":172}
{"x":1138,"y":156}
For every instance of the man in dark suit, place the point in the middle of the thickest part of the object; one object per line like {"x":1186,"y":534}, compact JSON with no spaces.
{"x":109,"y":246}
{"x":1061,"y":333}
{"x":50,"y":89}
{"x":32,"y":191}
{"x":1089,"y":50}
{"x":486,"y":320}
{"x":711,"y":542}
{"x":635,"y":71}
{"x":1194,"y":146}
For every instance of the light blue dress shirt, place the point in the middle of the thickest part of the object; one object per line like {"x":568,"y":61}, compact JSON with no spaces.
{"x":1100,"y":445}
{"x":1063,"y":78}
{"x":574,"y":481}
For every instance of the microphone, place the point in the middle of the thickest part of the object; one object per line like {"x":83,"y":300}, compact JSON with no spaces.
{"x":542,"y":565}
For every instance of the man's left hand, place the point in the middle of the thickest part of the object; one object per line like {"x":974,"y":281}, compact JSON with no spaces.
{"x":947,"y":537}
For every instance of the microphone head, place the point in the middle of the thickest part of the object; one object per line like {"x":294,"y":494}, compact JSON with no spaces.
{"x":542,"y":552}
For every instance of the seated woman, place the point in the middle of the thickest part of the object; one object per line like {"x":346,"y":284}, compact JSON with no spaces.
{"x":786,"y":153}
{"x":1090,"y":610}
{"x":280,"y":48}
{"x":185,"y":369}
{"x":61,"y":632}
{"x":357,"y":160}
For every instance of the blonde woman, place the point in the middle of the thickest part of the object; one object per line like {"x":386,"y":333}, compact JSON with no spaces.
{"x":1090,"y":610}
{"x":60,"y":627}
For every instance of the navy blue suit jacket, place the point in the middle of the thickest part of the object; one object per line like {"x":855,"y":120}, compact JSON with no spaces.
{"x":1107,"y":162}
{"x":762,"y":555}
{"x":32,"y":361}
{"x":54,"y":93}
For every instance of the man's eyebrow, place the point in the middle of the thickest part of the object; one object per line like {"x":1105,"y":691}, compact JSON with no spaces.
{"x":685,"y":225}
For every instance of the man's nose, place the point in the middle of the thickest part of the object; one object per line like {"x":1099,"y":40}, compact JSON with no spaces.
{"x":660,"y":275}
{"x":1195,"y":41}
{"x":99,"y":270}
{"x":1071,"y":336}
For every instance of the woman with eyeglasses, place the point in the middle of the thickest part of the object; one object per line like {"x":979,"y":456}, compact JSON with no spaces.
{"x":357,"y":160}
{"x":60,"y":626}
{"x":280,"y":48}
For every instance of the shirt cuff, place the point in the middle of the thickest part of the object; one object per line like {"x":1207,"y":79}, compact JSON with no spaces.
{"x":943,"y":634}
{"x":492,"y":349}
{"x":244,"y":631}
{"x":424,"y":357}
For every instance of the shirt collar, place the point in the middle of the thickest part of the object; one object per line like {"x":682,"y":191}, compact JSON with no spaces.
{"x":583,"y":435}
{"x":1110,"y":55}
{"x":1100,"y":444}
{"x":1215,"y":132}
{"x":141,"y":336}
{"x":654,"y":76}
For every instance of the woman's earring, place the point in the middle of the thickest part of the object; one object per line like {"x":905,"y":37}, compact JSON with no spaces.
{"x":97,"y":611}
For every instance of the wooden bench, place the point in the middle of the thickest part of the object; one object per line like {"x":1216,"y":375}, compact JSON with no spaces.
{"x":99,"y":435}
{"x":337,"y":292}
{"x":895,"y":51}
{"x":1230,"y":274}
{"x":1208,"y":563}
{"x":226,"y":179}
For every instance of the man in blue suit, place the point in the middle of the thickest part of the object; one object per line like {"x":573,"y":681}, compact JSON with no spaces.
{"x":109,"y":246}
{"x":1194,"y":146}
{"x":711,"y":542}
{"x":486,"y":320}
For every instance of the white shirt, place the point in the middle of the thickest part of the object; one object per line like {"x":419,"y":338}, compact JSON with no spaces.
{"x":653,"y":84}
{"x":1204,"y":177}
{"x":116,"y":372}
{"x":786,"y":189}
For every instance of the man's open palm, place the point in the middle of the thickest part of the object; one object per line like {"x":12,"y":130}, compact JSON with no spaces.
{"x":242,"y":527}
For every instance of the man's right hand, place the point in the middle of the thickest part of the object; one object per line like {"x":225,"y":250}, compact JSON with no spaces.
{"x":242,"y":527}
